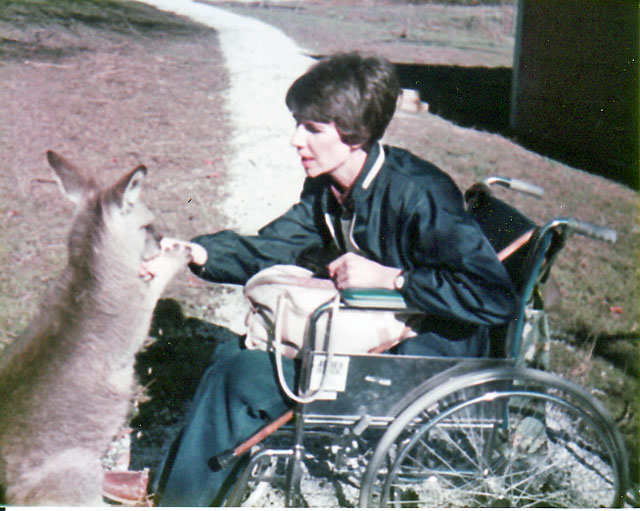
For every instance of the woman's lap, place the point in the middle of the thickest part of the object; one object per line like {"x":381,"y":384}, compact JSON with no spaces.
{"x":236,"y":397}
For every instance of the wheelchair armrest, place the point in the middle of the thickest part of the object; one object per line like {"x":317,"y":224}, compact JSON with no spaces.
{"x":374,"y":298}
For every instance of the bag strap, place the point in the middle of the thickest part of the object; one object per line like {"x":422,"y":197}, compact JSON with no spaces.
{"x":277,"y":344}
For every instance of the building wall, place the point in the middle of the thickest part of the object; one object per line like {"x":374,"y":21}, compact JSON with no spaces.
{"x":575,"y":83}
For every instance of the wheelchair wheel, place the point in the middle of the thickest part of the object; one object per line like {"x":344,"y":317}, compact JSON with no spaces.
{"x":499,"y":437}
{"x":260,"y":484}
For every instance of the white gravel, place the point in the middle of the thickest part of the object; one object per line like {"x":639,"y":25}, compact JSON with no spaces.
{"x":265,"y":176}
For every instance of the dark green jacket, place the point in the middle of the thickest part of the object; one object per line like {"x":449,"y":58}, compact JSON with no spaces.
{"x":407,"y":214}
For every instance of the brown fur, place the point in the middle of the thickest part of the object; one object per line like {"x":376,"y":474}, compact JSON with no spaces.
{"x":66,"y":384}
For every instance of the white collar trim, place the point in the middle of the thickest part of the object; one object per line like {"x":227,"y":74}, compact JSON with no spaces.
{"x":375,"y":169}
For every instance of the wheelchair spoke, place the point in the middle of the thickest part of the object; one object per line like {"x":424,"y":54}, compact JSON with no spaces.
{"x":517,"y":447}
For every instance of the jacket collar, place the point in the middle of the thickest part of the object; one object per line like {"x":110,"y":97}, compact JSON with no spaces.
{"x":370,"y":170}
{"x":372,"y":165}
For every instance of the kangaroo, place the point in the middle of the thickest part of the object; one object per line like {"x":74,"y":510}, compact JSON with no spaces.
{"x":67,"y":383}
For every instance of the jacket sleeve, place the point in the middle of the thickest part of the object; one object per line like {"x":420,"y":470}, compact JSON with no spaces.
{"x":233,"y":258}
{"x":453,"y":271}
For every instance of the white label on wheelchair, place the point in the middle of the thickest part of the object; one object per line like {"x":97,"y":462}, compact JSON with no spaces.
{"x":335,"y":378}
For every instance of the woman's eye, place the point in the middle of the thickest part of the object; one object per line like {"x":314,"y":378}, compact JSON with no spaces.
{"x":311,"y":128}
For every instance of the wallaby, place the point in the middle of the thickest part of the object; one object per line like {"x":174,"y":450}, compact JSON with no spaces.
{"x":67,"y":383}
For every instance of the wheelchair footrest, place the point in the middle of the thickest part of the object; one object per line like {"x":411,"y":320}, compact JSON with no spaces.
{"x":222,"y":460}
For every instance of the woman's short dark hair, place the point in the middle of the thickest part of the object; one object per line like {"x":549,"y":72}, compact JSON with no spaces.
{"x":357,"y":93}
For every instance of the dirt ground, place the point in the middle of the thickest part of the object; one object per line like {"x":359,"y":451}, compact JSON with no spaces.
{"x":110,"y":100}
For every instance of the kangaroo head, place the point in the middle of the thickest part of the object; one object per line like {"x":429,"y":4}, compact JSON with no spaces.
{"x":109,"y":221}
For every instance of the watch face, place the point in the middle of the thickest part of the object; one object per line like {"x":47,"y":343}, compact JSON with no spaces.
{"x":399,"y":282}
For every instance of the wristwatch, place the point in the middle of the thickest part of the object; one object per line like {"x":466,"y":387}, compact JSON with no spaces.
{"x":398,"y":283}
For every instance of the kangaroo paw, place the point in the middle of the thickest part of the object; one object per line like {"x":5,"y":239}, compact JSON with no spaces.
{"x":172,"y":256}
{"x":197,"y":253}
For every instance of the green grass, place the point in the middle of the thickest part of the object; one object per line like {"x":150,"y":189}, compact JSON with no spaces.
{"x":114,"y":15}
{"x":20,"y":22}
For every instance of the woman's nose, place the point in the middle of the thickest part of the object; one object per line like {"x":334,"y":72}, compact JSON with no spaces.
{"x":297,"y":139}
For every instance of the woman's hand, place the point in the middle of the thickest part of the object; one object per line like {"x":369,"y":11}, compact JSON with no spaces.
{"x":352,"y":270}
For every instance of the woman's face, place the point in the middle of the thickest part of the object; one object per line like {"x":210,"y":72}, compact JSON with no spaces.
{"x":322,"y":151}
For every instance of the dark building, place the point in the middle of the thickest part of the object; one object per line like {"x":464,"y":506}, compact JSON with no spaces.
{"x":575,"y":83}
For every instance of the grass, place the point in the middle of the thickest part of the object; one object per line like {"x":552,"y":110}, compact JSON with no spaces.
{"x":46,"y":36}
{"x":113,"y":15}
{"x":446,"y":34}
{"x":22,"y":24}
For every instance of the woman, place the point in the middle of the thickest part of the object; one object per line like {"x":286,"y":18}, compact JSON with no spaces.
{"x":395,"y":221}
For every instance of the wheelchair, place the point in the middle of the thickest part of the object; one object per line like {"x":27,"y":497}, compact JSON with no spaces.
{"x":409,"y":431}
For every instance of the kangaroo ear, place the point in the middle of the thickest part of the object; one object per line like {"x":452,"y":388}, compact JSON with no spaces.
{"x":127,"y":189}
{"x":70,"y":178}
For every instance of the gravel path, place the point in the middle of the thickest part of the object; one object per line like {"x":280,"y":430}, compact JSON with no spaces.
{"x":265,"y":175}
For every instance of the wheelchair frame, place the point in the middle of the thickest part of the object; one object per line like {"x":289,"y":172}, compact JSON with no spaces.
{"x":435,"y":432}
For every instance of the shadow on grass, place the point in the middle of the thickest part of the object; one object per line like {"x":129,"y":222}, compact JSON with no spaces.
{"x":29,"y":23}
{"x":621,"y":350}
{"x":170,"y":369}
{"x":113,"y":15}
{"x":25,"y":50}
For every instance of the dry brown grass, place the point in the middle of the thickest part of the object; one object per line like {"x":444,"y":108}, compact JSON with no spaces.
{"x":109,"y":96}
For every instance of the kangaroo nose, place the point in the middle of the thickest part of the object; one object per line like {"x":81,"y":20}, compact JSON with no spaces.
{"x":153,"y":232}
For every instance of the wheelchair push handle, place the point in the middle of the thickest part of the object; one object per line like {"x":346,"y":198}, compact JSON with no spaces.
{"x":528,"y":188}
{"x":593,"y":231}
{"x":585,"y":228}
{"x":515,"y":184}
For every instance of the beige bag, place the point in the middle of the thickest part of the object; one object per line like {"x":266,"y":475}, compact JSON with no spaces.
{"x":288,"y":295}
